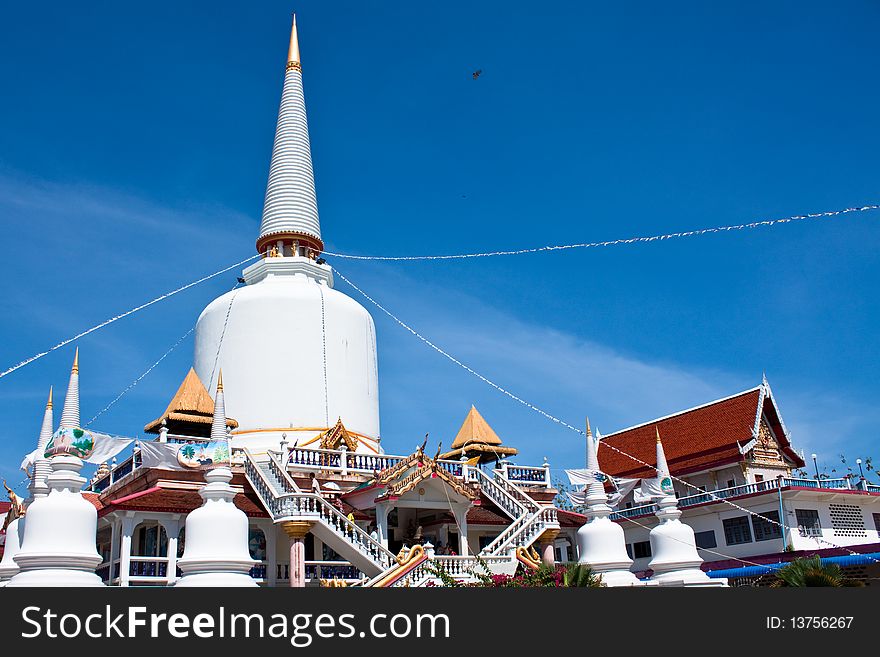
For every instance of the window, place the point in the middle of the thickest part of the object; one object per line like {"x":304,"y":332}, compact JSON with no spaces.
{"x":731,"y":483}
{"x":629,"y":550}
{"x":847,"y":520}
{"x":151,"y":541}
{"x":808,"y":522}
{"x":705,"y":539}
{"x":765,"y":527}
{"x":759,"y":478}
{"x":257,"y":543}
{"x":642,"y":550}
{"x":877,"y":522}
{"x":736,"y":530}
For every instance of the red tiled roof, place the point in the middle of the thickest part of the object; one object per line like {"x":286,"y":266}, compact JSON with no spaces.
{"x":570,"y":518}
{"x":94,"y":498}
{"x":696,"y":439}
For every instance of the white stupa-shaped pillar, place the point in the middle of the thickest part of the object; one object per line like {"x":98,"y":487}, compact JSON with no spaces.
{"x":38,"y":488}
{"x":216,"y":552}
{"x":675,"y":560}
{"x":42,"y":467}
{"x":58,"y":542}
{"x":601,"y":541}
{"x":12,"y":546}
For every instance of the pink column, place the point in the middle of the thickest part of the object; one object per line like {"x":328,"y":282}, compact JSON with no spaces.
{"x":548,"y":554}
{"x":297,"y":532}
{"x":297,"y":562}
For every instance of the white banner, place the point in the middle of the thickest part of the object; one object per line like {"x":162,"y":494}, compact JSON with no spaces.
{"x":161,"y":455}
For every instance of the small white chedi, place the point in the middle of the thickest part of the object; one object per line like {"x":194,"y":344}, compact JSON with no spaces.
{"x":216,"y":551}
{"x":58,"y":542}
{"x":601,"y":541}
{"x":675,"y":561}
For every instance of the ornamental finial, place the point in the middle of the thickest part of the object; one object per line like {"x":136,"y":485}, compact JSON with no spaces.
{"x":75,"y":368}
{"x":220,"y":380}
{"x":49,"y":403}
{"x":589,"y":431}
{"x":293,"y":53}
{"x":657,"y":430}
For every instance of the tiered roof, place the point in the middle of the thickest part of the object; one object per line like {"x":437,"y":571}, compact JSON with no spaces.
{"x":191,"y":410}
{"x":477,"y":439}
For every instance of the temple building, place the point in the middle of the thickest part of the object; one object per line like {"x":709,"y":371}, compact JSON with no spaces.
{"x":280,"y":416}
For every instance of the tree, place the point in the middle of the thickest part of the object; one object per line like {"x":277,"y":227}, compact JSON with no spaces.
{"x":561,"y":500}
{"x":810,"y":571}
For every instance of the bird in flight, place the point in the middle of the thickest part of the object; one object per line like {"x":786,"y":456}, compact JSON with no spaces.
{"x":477,"y":73}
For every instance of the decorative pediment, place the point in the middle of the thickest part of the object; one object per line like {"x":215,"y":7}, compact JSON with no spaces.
{"x":766,"y":450}
{"x":407,"y":474}
{"x":337,"y":435}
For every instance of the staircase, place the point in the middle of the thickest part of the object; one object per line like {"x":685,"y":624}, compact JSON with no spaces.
{"x":530,"y":519}
{"x":286,"y":502}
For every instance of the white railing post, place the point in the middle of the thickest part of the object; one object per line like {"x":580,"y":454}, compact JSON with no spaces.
{"x":547,"y":480}
{"x":343,"y":459}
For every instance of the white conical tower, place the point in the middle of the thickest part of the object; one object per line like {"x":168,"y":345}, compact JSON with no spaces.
{"x":675,"y":560}
{"x":316,"y":359}
{"x":601,"y":542}
{"x":42,"y":466}
{"x":38,"y":488}
{"x":216,"y":552}
{"x":70,"y":412}
{"x":58,"y":543}
{"x":290,"y":211}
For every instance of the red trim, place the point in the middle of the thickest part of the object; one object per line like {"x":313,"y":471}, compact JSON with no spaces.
{"x":133,"y":496}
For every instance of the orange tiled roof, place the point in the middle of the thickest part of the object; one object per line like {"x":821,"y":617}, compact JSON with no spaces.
{"x":696,"y":439}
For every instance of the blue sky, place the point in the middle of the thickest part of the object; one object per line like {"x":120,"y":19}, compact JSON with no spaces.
{"x":134,"y":151}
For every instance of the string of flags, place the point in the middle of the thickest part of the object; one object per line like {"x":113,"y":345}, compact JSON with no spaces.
{"x":630,"y":240}
{"x":115,"y":318}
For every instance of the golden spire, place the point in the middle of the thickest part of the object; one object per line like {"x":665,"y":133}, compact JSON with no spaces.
{"x":589,"y":431}
{"x":293,"y":53}
{"x":220,"y":380}
{"x":657,"y":429}
{"x":49,"y":403}
{"x":75,"y":368}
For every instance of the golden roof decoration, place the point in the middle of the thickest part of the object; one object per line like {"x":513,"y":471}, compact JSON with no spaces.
{"x":191,"y":403}
{"x":421,"y":467}
{"x":475,"y":429}
{"x":476,"y":437}
{"x":336,"y":435}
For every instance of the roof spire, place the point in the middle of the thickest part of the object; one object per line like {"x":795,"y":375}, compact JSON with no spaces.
{"x":662,"y":465}
{"x":218,"y":425}
{"x":595,"y":491}
{"x":46,"y":429}
{"x":290,"y":211}
{"x":293,"y":51}
{"x":70,"y":412}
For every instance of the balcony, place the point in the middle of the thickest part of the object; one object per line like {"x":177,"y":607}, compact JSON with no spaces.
{"x":708,"y":497}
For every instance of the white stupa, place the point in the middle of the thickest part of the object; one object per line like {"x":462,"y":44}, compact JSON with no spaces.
{"x":38,"y":488}
{"x":675,"y":561}
{"x":301,"y":355}
{"x":58,"y":542}
{"x":216,"y":552}
{"x":601,"y":542}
